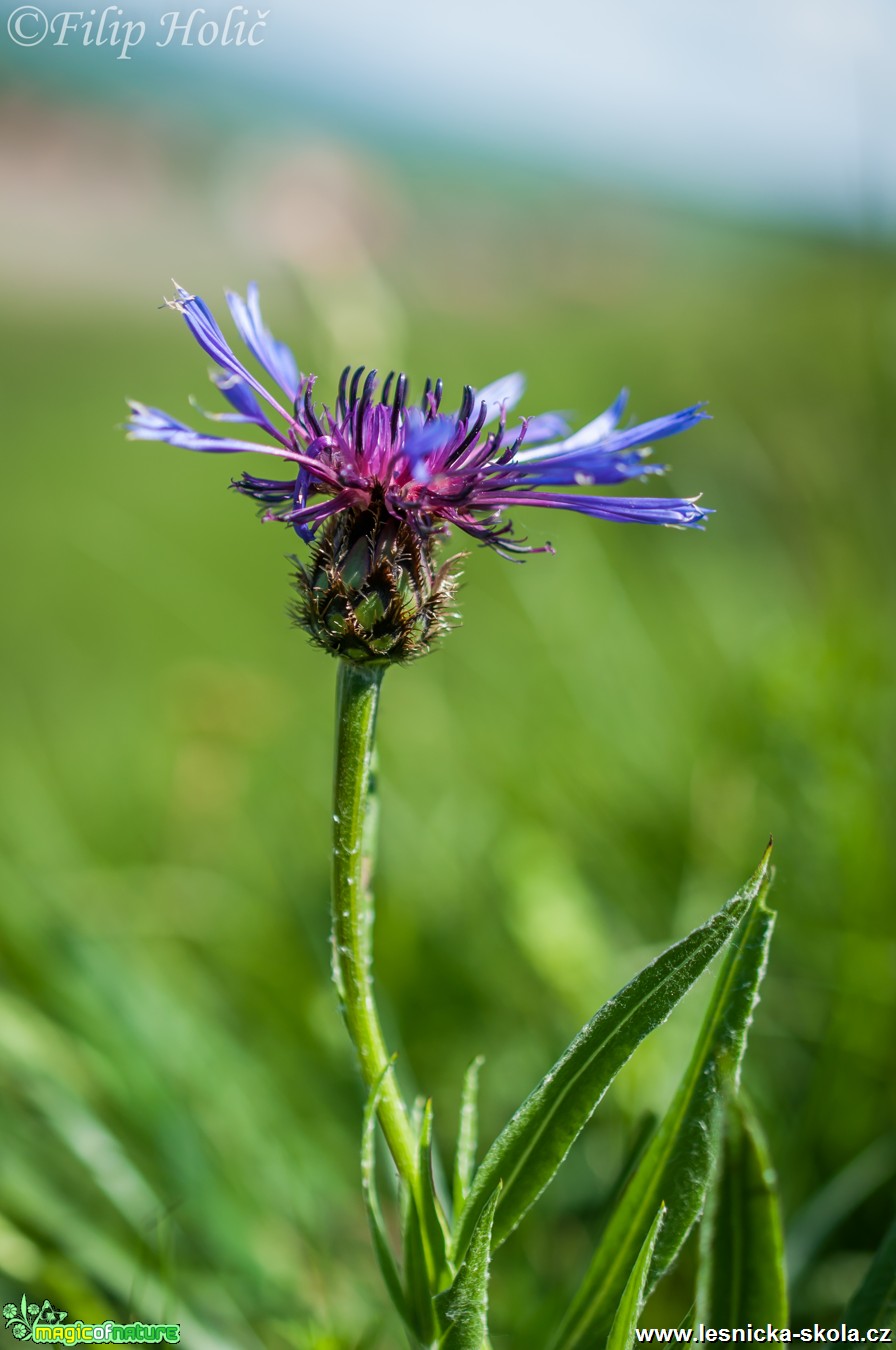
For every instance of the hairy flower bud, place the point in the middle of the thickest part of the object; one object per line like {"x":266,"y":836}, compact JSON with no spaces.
{"x":370,"y":593}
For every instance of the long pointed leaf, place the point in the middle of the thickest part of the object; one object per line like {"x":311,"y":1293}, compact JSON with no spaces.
{"x":387,"y":1263}
{"x":741,"y":1274}
{"x":432,"y":1225}
{"x":874,"y":1303}
{"x":625,"y":1323}
{"x":678,"y":1163}
{"x":426,"y":1267}
{"x":467,"y":1135}
{"x":416,"y":1271}
{"x":531,"y":1147}
{"x":463,"y":1309}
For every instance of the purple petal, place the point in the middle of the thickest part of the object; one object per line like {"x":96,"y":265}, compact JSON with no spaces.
{"x":267,"y":490}
{"x":427,"y":439}
{"x":592,"y":458}
{"x":588,"y":471}
{"x":588,"y":436}
{"x":239,"y":396}
{"x":595,"y":431}
{"x":312,"y":515}
{"x":680,"y":511}
{"x":273,"y":356}
{"x":205,"y":330}
{"x":657,"y":430}
{"x":248,"y":409}
{"x":152,"y":424}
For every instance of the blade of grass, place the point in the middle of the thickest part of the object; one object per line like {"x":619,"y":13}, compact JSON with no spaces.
{"x":874,"y":1302}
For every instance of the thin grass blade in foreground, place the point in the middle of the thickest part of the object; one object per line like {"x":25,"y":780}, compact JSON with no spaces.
{"x":874,"y":1303}
{"x":832,"y":1204}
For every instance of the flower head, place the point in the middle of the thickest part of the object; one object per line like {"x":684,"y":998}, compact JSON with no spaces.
{"x":408,"y":471}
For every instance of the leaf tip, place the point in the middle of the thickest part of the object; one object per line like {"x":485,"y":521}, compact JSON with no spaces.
{"x":761,"y":878}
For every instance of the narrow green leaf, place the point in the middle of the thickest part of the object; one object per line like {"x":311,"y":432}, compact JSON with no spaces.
{"x":625,"y":1323}
{"x":463,"y":1309}
{"x":416,"y":1271}
{"x":533,"y":1144}
{"x":426,"y":1268}
{"x":387,"y":1262}
{"x":678,"y":1163}
{"x":467,"y":1135}
{"x":874,"y":1303}
{"x":741,"y":1277}
{"x":432,"y":1222}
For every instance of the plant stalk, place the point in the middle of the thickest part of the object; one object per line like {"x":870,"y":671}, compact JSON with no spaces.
{"x":357,"y":697}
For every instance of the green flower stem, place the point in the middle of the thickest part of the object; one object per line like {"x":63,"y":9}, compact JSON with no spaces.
{"x":357,"y":696}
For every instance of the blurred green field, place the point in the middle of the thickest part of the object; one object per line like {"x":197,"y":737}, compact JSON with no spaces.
{"x":589,"y":766}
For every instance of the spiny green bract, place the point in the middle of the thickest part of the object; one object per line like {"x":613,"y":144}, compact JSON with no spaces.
{"x":370,"y":593}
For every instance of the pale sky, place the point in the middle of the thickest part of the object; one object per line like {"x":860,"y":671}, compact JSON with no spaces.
{"x":781,"y":106}
{"x":791,"y":103}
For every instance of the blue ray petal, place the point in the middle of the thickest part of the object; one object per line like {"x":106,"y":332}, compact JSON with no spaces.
{"x":273,"y":356}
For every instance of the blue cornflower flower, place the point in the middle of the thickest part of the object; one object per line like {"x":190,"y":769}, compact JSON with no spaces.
{"x":408,"y":472}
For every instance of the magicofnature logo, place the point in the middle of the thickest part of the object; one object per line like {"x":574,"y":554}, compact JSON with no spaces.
{"x":43,"y":1322}
{"x":21,"y":1321}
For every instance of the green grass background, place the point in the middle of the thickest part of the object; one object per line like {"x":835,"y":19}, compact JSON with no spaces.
{"x":588,"y":767}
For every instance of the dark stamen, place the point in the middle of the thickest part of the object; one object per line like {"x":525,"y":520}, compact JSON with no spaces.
{"x":509,"y":451}
{"x":472,"y":433}
{"x":466,"y":403}
{"x":309,"y":410}
{"x":427,"y":390}
{"x":353,"y":390}
{"x":363,"y":405}
{"x":437,"y":396}
{"x":340,"y":402}
{"x":401,"y":389}
{"x":384,"y":397}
